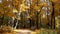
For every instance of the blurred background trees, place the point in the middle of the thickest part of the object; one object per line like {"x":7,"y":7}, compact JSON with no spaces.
{"x":30,"y":13}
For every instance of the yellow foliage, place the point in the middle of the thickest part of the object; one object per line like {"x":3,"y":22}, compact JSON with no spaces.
{"x":1,"y":12}
{"x":54,"y":0}
{"x":6,"y":30}
{"x":15,"y":11}
{"x":33,"y":32}
{"x":24,"y":7}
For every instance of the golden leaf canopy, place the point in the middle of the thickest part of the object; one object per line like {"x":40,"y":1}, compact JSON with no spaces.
{"x":19,"y":5}
{"x":1,"y":13}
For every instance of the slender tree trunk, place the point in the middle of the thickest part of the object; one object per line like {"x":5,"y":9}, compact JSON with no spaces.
{"x":48,"y":16}
{"x":3,"y":20}
{"x":53,"y":17}
{"x":37,"y":16}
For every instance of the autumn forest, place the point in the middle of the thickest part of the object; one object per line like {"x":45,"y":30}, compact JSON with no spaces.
{"x":30,"y":14}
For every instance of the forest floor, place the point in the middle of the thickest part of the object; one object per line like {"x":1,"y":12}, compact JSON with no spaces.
{"x":38,"y":31}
